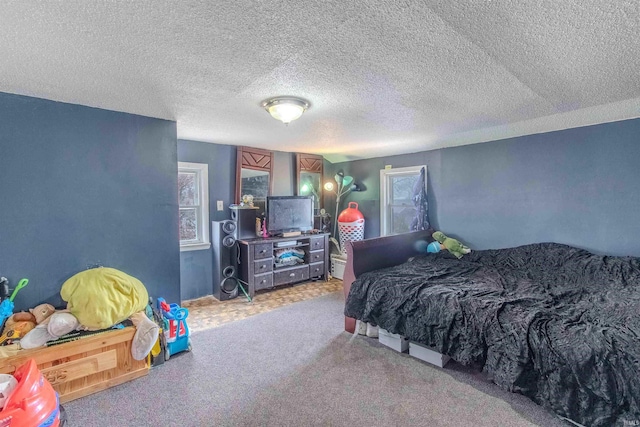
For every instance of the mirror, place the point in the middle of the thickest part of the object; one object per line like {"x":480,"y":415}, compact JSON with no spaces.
{"x":253,"y":175}
{"x":309,"y":168}
{"x":255,"y":183}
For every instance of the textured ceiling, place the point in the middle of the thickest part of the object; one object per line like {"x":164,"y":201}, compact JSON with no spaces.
{"x":383,"y":77}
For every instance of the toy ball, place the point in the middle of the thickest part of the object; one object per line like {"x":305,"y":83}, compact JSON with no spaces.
{"x":7,"y":384}
{"x":420,"y":246}
{"x":433,"y":247}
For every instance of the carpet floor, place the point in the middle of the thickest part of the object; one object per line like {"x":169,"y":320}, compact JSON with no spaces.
{"x":295,"y":366}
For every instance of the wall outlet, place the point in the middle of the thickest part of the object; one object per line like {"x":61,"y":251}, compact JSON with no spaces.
{"x":220,"y":205}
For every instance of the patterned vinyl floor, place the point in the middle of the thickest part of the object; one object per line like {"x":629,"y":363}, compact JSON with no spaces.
{"x":208,"y":312}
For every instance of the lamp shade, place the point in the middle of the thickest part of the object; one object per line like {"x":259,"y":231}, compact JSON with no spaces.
{"x":285,"y":108}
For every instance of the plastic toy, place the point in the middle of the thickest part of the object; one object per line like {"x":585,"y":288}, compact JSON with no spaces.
{"x":175,"y":328}
{"x":8,"y":383}
{"x":33,"y":402}
{"x":434,"y":247}
{"x":4,"y":288}
{"x":422,"y":246}
{"x":13,"y":334}
{"x":6,"y":306}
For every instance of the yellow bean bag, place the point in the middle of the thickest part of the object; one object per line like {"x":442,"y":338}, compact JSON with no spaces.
{"x":102,"y":297}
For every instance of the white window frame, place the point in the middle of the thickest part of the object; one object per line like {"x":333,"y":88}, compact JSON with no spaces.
{"x":385,"y":193}
{"x":202,"y":178}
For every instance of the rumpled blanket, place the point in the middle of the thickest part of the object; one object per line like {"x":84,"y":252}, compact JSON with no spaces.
{"x":556,"y":323}
{"x":102,"y":297}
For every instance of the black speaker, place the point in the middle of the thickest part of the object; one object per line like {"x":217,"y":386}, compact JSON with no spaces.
{"x":225,"y":260}
{"x":245,"y":219}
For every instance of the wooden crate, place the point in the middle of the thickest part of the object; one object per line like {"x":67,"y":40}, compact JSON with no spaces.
{"x":85,"y":366}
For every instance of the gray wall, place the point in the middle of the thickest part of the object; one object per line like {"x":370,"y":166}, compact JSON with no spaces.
{"x":81,"y":187}
{"x":576,"y":186}
{"x":196,"y":273}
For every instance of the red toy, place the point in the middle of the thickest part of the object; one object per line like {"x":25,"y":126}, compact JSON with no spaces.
{"x":33,"y":403}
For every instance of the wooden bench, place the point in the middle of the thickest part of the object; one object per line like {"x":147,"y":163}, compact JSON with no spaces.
{"x":85,"y":366}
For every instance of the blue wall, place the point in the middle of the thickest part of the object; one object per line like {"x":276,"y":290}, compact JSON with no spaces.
{"x":195,"y":266}
{"x":576,"y":186}
{"x":196,"y":273}
{"x":81,"y":187}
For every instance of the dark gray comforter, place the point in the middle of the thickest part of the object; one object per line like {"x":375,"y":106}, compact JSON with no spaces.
{"x":553,"y":322}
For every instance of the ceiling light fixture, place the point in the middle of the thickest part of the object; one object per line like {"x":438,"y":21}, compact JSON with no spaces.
{"x":285,"y":108}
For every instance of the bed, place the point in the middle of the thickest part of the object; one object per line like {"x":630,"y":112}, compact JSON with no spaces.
{"x":553,"y":322}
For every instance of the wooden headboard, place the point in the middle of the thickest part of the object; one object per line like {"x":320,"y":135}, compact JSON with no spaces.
{"x":373,"y":254}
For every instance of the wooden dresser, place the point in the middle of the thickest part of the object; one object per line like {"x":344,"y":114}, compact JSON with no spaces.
{"x":257,"y":261}
{"x":87,"y":365}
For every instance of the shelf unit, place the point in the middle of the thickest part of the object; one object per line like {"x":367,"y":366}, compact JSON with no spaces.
{"x":257,"y":261}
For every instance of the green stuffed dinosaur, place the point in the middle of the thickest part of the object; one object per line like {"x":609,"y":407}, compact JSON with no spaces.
{"x":452,"y":245}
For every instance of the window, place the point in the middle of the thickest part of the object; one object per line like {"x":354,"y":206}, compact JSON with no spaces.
{"x":193,"y":198}
{"x":396,"y":207}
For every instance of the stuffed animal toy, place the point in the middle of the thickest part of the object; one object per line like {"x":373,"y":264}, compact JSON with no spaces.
{"x":452,"y":245}
{"x":21,"y":324}
{"x":52,"y":327}
{"x":21,"y":316}
{"x":42,"y":312}
{"x":247,"y":200}
{"x":16,"y":327}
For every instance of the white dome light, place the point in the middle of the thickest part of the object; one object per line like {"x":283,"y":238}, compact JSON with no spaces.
{"x":285,"y":108}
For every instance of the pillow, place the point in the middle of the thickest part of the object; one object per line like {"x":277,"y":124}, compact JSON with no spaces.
{"x":102,"y":297}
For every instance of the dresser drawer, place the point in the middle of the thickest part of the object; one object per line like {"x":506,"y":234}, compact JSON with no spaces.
{"x":263,"y":281}
{"x":291,"y":275}
{"x":263,"y":265}
{"x":316,"y":256}
{"x":263,"y":250}
{"x":316,"y":243}
{"x":316,"y":270}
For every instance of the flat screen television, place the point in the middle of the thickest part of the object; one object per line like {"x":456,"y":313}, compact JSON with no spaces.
{"x":289,"y":214}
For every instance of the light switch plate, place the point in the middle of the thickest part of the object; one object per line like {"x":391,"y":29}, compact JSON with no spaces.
{"x":220,"y":205}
